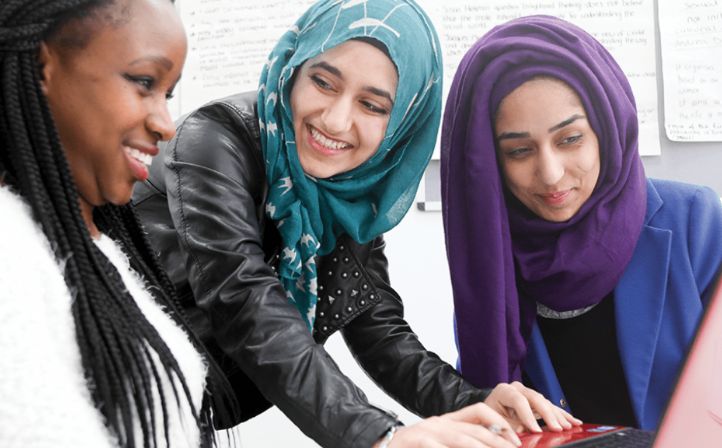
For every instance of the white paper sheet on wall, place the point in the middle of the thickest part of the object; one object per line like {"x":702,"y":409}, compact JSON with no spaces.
{"x":691,"y":46}
{"x":625,"y":27}
{"x":229,"y":41}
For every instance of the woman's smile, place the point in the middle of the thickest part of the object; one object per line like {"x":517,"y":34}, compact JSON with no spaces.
{"x":139,"y":157}
{"x":324,"y":144}
{"x":557,"y":198}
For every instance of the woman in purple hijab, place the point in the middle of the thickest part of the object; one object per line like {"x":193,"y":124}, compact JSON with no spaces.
{"x":571,"y":270}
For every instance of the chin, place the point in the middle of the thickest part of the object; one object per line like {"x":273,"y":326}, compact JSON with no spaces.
{"x":561,"y":216}
{"x":120,"y":198}
{"x":319,"y":172}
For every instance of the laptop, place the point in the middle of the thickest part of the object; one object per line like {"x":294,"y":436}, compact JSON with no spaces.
{"x":693,"y":417}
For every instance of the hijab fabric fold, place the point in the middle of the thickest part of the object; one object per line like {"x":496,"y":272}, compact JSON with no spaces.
{"x":503,"y":258}
{"x":369,"y":200}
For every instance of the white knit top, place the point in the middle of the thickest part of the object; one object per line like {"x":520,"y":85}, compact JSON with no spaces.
{"x":44,"y":398}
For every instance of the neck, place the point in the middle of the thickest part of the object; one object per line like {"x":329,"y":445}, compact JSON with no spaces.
{"x":86,"y":210}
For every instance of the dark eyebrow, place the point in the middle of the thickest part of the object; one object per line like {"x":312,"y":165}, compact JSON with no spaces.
{"x":380,"y":92}
{"x":328,"y":67}
{"x":509,"y":135}
{"x":165,"y":62}
{"x":566,"y":122}
{"x":335,"y":71}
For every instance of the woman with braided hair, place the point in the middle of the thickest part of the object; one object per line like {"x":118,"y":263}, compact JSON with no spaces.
{"x":93,"y":351}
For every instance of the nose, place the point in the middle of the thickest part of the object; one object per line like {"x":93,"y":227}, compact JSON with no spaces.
{"x":551,"y":166}
{"x":336,"y":117}
{"x":159,"y":121}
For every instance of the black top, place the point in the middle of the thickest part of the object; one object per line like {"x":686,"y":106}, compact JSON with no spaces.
{"x":585,"y":356}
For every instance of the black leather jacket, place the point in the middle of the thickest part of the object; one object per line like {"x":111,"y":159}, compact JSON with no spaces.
{"x":204,"y":209}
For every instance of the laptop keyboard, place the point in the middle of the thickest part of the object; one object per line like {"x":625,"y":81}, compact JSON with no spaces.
{"x":628,"y":438}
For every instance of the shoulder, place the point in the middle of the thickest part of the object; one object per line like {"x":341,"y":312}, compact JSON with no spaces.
{"x":222,"y":136}
{"x":678,"y":201}
{"x":233,"y":117}
{"x":26,"y":256}
{"x":670,"y":190}
{"x":20,"y":236}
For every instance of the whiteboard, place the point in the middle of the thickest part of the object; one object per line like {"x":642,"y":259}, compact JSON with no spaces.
{"x":229,"y":41}
{"x":691,"y":40}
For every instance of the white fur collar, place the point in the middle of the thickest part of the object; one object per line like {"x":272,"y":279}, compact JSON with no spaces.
{"x":44,"y":398}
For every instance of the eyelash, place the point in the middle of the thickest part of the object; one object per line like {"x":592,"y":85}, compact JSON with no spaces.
{"x":375,"y":109}
{"x":518,"y":153}
{"x":573,"y":139}
{"x":323,"y":85}
{"x":147,"y":83}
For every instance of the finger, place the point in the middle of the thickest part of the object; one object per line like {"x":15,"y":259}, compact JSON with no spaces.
{"x":478,"y":435}
{"x":553,"y":416}
{"x":544,"y":409}
{"x":559,"y":415}
{"x":548,"y":413}
{"x":570,"y":418}
{"x":567,"y":418}
{"x":522,"y":405}
{"x":430,"y":443}
{"x":424,"y":434}
{"x":483,"y":415}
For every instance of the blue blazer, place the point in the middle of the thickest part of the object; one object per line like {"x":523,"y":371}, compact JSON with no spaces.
{"x":659,"y":299}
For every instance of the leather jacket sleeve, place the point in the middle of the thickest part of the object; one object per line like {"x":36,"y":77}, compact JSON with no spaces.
{"x":391,"y":353}
{"x":212,"y":178}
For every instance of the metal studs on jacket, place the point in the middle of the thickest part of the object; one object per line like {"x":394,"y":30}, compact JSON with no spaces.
{"x":345,"y":289}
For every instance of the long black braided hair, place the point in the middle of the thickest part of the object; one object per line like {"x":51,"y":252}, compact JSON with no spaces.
{"x":116,"y":340}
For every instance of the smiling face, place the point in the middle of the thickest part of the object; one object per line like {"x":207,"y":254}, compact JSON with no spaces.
{"x":108,"y":97}
{"x":341,"y":102}
{"x":548,"y":152}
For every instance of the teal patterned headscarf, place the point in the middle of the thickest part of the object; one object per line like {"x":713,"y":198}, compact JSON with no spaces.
{"x":369,"y":200}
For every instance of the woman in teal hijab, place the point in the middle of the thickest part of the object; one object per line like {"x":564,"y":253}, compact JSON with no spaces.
{"x":362,"y":201}
{"x":269,"y":209}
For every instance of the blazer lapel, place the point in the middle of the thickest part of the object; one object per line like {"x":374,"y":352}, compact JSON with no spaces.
{"x":639,"y":302}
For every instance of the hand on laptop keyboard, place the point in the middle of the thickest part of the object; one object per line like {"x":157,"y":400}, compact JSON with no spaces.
{"x":521,"y":407}
{"x":473,"y":426}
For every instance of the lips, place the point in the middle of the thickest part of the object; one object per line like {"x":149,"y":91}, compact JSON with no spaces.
{"x":143,"y":158}
{"x":139,"y":157}
{"x":325,"y":144}
{"x":556,"y":198}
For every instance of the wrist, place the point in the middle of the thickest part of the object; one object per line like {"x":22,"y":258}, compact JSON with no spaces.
{"x":385,"y":441}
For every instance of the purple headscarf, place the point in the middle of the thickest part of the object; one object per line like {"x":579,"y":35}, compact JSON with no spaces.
{"x":496,"y":247}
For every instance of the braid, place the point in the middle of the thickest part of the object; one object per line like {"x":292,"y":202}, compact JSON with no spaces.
{"x":115,"y":339}
{"x":134,"y":240}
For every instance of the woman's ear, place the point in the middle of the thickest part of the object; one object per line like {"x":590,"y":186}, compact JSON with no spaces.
{"x":46,"y":61}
